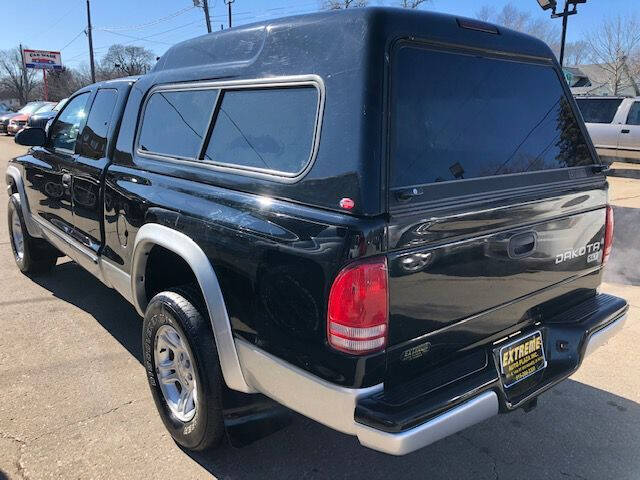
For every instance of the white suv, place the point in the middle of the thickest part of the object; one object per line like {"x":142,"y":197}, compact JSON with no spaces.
{"x":614,"y":126}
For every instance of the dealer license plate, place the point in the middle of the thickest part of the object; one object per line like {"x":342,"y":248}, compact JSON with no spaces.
{"x":522,"y":358}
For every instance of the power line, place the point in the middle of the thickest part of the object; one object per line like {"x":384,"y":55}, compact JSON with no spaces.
{"x":146,"y":25}
{"x":139,"y":38}
{"x":46,"y":30}
{"x":73,"y":40}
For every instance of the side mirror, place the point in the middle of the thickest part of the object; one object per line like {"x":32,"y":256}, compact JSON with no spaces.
{"x":31,"y":137}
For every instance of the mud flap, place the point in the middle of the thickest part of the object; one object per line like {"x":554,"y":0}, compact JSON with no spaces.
{"x":251,"y":417}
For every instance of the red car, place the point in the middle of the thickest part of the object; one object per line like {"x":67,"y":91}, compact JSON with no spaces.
{"x":18,"y":122}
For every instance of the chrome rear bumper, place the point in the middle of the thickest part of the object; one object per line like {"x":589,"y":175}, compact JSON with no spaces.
{"x":335,"y":406}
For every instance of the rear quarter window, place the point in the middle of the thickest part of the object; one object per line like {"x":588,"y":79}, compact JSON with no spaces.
{"x":457,"y":116}
{"x":269,"y":129}
{"x":598,"y":110}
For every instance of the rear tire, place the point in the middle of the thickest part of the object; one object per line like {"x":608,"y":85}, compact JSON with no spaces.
{"x":32,"y":255}
{"x":179,"y":347}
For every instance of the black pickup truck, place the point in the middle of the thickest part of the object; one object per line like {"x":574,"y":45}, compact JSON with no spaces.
{"x":390,"y":221}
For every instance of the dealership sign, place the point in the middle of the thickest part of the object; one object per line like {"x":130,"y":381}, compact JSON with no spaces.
{"x":42,"y":59}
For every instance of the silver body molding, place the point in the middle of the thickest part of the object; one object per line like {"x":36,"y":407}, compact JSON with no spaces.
{"x":32,"y":228}
{"x":334,"y":406}
{"x":131,"y":287}
{"x":324,"y":402}
{"x":152,"y":234}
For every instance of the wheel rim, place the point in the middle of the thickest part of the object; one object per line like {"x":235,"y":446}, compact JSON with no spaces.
{"x":16,"y":235}
{"x":176,"y":373}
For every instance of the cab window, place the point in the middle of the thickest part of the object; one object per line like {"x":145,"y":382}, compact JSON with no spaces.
{"x":634,"y":114}
{"x":65,"y":130}
{"x":94,"y":134}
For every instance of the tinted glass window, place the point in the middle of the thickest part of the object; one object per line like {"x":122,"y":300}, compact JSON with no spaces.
{"x":175,"y":122}
{"x":94,"y":134}
{"x":598,"y":110}
{"x":458,"y":116}
{"x":65,"y":130}
{"x":30,"y":107}
{"x":269,"y":129}
{"x":634,"y":114}
{"x":47,"y":107}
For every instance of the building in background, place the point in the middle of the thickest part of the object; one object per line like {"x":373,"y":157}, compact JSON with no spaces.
{"x":595,"y":80}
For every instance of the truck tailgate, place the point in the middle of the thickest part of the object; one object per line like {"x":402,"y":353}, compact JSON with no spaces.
{"x":457,"y":280}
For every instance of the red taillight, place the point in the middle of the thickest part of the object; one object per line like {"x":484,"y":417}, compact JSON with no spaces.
{"x":608,"y":235}
{"x":358,"y":310}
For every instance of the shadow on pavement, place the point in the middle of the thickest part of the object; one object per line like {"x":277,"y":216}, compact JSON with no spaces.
{"x":624,"y":264}
{"x":577,"y":431}
{"x":71,"y":283}
{"x":624,"y":173}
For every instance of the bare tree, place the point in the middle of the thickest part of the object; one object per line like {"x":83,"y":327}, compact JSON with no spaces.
{"x":342,"y":4}
{"x":124,"y":60}
{"x":486,"y":13}
{"x":412,"y":3}
{"x":12,"y":79}
{"x":576,"y":53}
{"x":62,"y":83}
{"x":615,"y":46}
{"x":512,"y":17}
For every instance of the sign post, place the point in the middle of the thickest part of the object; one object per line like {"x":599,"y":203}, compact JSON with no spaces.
{"x":42,"y":59}
{"x":46,"y":87}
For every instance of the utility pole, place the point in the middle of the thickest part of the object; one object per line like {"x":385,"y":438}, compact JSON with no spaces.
{"x":205,"y":5}
{"x":552,"y":5}
{"x":91,"y":61}
{"x":24,"y":77}
{"x":565,"y":17}
{"x":229,"y":2}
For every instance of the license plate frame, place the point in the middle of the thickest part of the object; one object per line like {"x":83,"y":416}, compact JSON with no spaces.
{"x":518,"y":365}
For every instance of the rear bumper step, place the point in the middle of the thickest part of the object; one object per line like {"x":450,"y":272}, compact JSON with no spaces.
{"x":382,"y":421}
{"x":398,"y":429}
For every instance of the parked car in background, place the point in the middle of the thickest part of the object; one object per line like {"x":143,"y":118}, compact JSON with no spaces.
{"x":4,"y":109}
{"x":29,"y":108}
{"x":41,"y":117}
{"x":614,"y":126}
{"x":18,"y":122}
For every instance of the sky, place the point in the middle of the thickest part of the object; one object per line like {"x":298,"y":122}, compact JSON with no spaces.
{"x":158,"y":24}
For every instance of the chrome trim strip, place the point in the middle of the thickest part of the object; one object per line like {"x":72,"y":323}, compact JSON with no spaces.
{"x":68,"y":239}
{"x":152,"y":234}
{"x":474,"y":411}
{"x":287,"y":81}
{"x":32,"y":227}
{"x":83,"y":256}
{"x":602,"y":336}
{"x":299,"y":390}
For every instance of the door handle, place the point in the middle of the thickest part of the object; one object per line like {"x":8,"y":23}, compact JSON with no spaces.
{"x":522,"y":245}
{"x":625,"y":130}
{"x":66,"y":180}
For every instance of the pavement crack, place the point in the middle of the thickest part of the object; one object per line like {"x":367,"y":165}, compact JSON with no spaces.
{"x":572,"y":475}
{"x":87,"y":419}
{"x":484,"y":451}
{"x":22,"y":445}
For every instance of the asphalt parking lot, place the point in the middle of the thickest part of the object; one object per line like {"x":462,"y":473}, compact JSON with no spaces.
{"x":74,"y":401}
